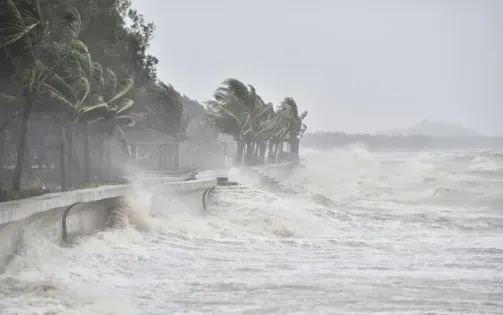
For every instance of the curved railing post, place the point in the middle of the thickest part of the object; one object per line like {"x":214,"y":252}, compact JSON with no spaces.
{"x":64,"y":234}
{"x":205,"y":194}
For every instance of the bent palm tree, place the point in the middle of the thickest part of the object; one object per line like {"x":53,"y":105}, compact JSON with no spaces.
{"x":164,"y":108}
{"x":66,"y":92}
{"x":296,"y":129}
{"x":162,"y":104}
{"x":109,"y":114}
{"x":235,"y":110}
{"x":25,"y":40}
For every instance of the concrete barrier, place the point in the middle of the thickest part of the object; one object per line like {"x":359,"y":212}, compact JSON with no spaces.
{"x":279,"y":171}
{"x":61,"y":216}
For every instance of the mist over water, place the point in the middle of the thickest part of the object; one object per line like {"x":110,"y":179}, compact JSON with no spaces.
{"x":403,"y":233}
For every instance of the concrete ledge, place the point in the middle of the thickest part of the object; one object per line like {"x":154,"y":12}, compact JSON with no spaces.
{"x":280,"y":171}
{"x":21,"y":209}
{"x":176,"y":186}
{"x":86,"y":218}
{"x":42,"y":216}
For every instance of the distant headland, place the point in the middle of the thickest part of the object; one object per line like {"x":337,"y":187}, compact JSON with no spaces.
{"x":423,"y":135}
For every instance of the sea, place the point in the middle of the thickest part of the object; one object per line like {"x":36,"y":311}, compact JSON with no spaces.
{"x":350,"y":232}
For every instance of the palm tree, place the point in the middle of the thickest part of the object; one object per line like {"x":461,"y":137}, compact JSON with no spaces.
{"x":163,"y":105}
{"x":25,"y":41}
{"x":67,"y":91}
{"x":272,"y":126}
{"x":280,"y":131}
{"x":8,"y":112}
{"x":233,"y":111}
{"x":108,"y":115}
{"x":296,"y":128}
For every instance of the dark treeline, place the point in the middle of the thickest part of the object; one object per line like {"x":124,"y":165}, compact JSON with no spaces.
{"x":76,"y":70}
{"x":260,"y":131}
{"x":330,"y":140}
{"x":76,"y":80}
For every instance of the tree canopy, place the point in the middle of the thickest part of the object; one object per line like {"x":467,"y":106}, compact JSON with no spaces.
{"x":239,"y":111}
{"x":85,"y":65}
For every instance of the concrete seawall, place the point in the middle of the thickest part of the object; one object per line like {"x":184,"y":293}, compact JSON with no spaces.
{"x":62,"y":216}
{"x":278,"y":171}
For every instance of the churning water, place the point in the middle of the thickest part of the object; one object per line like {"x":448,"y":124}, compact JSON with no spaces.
{"x":402,"y":233}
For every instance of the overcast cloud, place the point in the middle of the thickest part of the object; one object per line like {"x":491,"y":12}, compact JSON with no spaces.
{"x":355,"y":65}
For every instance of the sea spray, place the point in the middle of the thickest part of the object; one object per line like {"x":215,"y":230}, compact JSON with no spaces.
{"x":385,"y":245}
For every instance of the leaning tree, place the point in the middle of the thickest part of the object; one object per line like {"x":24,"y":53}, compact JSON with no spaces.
{"x":296,"y":127}
{"x":236,"y":110}
{"x":36,"y":53}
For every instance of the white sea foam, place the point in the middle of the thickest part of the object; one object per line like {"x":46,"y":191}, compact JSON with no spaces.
{"x":405,"y":233}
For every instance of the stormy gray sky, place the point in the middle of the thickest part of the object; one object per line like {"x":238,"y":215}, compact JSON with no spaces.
{"x":355,"y":65}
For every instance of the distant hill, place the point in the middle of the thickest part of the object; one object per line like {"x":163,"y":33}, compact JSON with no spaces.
{"x":330,"y":140}
{"x":433,"y":129}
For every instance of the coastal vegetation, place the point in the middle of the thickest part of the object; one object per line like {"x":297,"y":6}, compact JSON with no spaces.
{"x":257,"y":128}
{"x":76,"y":77}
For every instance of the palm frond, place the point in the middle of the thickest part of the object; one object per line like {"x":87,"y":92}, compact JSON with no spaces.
{"x":237,"y":87}
{"x":84,"y":58}
{"x":97,"y":74}
{"x":290,"y":104}
{"x":92,"y":113}
{"x":20,"y":23}
{"x":84,"y":89}
{"x":110,"y":80}
{"x":124,"y":106}
{"x":123,"y":141}
{"x":124,"y":88}
{"x":55,"y":82}
{"x":70,"y":27}
{"x":67,"y":42}
{"x":59,"y":103}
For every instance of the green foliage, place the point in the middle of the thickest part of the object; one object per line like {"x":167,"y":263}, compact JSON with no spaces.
{"x":238,"y":110}
{"x":86,"y":63}
{"x":163,"y":107}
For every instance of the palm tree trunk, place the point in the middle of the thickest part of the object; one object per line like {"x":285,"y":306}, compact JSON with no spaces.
{"x":87,"y":155}
{"x":270,"y":153}
{"x":281,"y":149}
{"x":291,"y":149}
{"x":276,"y":152}
{"x":43,"y":155}
{"x":239,"y":152}
{"x":2,"y":148}
{"x":63,"y":155}
{"x":256,"y":155}
{"x":176,"y":156}
{"x":297,"y":149}
{"x":22,"y":146}
{"x":249,"y":152}
{"x":108,"y":153}
{"x":263,"y":148}
{"x":256,"y":151}
{"x":28,"y":164}
{"x":69,"y":154}
{"x":101,"y":157}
